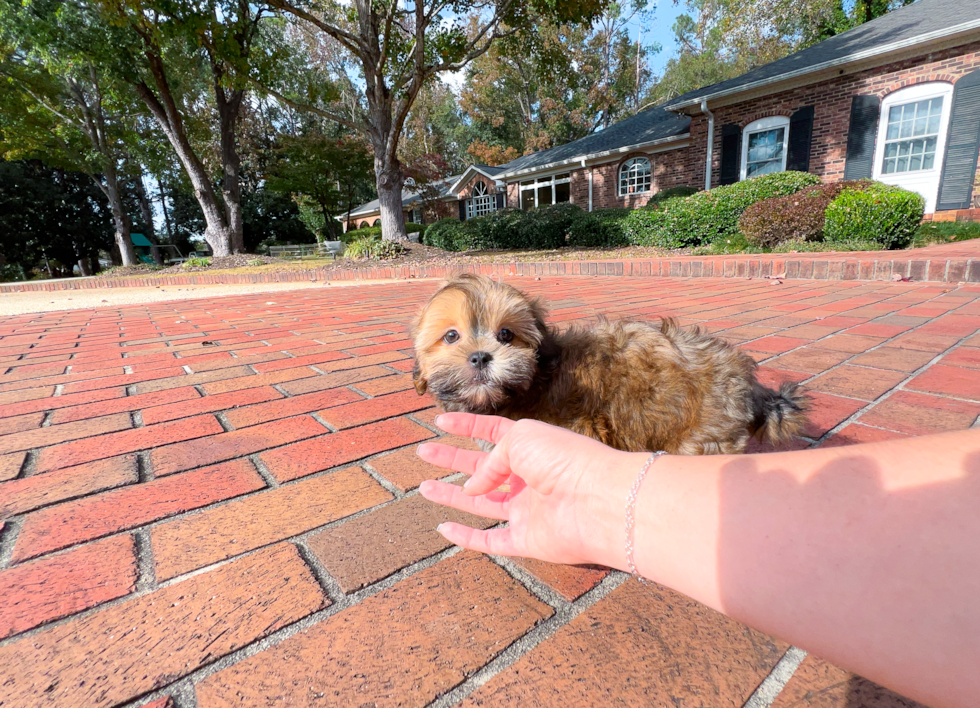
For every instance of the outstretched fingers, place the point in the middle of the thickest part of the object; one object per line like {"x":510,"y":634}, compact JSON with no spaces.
{"x":497,"y":542}
{"x":482,"y":427}
{"x":449,"y":457}
{"x":490,"y":506}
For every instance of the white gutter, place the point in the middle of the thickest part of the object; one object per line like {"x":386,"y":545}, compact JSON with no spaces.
{"x":833,"y":63}
{"x":592,"y":156}
{"x":590,"y":184}
{"x":711,"y":143}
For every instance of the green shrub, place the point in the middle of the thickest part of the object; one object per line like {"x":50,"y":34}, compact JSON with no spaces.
{"x":449,"y":235}
{"x":600,"y":228}
{"x":499,"y":229}
{"x":355,"y":234}
{"x":889,"y":216}
{"x":196,"y":263}
{"x":547,"y":226}
{"x":706,"y":216}
{"x":664,"y":194}
{"x":375,"y":247}
{"x":794,"y":218}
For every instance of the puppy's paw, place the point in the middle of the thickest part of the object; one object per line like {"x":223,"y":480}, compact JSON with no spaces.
{"x":484,"y":445}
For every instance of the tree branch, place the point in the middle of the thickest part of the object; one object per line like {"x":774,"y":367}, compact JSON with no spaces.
{"x":329,"y":115}
{"x":346,"y":38}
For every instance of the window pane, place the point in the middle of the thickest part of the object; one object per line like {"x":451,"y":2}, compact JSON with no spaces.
{"x":527,"y":199}
{"x":561,"y":176}
{"x":544,"y":195}
{"x":911,"y":136}
{"x":563,"y":192}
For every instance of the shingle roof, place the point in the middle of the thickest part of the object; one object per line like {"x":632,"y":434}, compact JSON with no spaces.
{"x":649,"y":125}
{"x":916,"y":23}
{"x":409,"y":196}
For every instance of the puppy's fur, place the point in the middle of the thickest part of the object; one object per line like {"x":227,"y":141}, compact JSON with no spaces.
{"x":632,"y":385}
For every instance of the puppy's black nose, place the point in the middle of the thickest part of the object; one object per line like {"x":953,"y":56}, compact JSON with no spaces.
{"x":480,"y":360}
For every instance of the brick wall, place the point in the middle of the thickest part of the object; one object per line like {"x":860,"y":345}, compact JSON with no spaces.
{"x":832,"y":106}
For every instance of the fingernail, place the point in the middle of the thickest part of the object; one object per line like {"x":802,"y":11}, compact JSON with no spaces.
{"x":437,"y":421}
{"x":439,"y":527}
{"x":418,"y":450}
{"x":467,"y":483}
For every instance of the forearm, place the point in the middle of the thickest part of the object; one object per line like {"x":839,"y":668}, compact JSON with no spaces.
{"x":869,"y":557}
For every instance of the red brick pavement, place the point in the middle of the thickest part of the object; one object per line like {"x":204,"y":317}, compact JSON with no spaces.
{"x":216,"y":501}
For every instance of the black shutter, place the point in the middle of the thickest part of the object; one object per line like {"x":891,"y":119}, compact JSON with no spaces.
{"x":800,"y":131}
{"x":500,"y":200}
{"x":731,"y":149}
{"x":861,"y":137}
{"x":962,"y":145}
{"x":462,"y":210}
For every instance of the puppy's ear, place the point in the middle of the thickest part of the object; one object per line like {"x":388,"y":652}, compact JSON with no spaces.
{"x":421,"y":383}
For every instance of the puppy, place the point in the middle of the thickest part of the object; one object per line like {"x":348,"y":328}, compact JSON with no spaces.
{"x":483,"y":347}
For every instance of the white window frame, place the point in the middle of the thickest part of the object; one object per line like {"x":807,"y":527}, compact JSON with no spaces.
{"x":536,"y":184}
{"x":482,"y":202}
{"x":925,"y":182}
{"x":763,"y":125}
{"x":634,"y":177}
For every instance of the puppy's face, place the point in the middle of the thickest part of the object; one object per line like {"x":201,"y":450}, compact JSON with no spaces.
{"x":476,"y":344}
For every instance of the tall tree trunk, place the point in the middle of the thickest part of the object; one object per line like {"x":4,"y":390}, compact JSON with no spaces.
{"x":166,"y":212}
{"x":119,"y":217}
{"x":390,"y":180}
{"x":231,"y":188}
{"x":164,"y":108}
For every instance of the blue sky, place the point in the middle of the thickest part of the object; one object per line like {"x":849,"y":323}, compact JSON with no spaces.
{"x":658,"y":29}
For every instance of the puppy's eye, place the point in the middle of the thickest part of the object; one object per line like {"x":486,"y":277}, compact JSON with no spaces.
{"x":505,"y":336}
{"x":451,"y":337}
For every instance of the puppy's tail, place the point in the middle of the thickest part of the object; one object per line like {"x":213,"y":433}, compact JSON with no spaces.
{"x":778,"y":415}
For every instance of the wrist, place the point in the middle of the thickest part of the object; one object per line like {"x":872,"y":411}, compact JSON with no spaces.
{"x":607,"y":545}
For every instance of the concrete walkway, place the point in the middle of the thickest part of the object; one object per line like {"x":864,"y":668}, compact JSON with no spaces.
{"x":214,"y":503}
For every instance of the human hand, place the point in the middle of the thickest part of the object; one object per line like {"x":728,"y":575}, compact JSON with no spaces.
{"x":566,"y":498}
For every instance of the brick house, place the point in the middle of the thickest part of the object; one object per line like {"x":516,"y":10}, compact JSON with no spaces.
{"x":896,"y":99}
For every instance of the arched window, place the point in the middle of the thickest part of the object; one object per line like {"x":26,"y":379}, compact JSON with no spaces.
{"x":634,"y":176}
{"x":481,"y":202}
{"x":377,"y":222}
{"x":764,"y":146}
{"x":912,"y":138}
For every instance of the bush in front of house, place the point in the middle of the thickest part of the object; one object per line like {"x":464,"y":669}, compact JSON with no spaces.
{"x":703,"y":217}
{"x":881,"y":213}
{"x":664,"y":194}
{"x":795,"y":218}
{"x":601,"y":228}
{"x":354,"y":234}
{"x":373,"y":246}
{"x":547,"y":227}
{"x":449,"y":235}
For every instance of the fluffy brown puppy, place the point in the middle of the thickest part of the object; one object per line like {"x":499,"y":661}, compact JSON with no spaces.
{"x":483,"y":347}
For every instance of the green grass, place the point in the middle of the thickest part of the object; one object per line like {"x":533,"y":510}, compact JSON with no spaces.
{"x":946,"y":232}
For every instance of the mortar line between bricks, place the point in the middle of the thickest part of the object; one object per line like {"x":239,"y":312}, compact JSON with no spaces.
{"x":8,"y":539}
{"x":263,"y":471}
{"x":773,"y":684}
{"x":290,"y":630}
{"x":536,"y":587}
{"x":892,"y":391}
{"x":146,"y":579}
{"x":528,"y":641}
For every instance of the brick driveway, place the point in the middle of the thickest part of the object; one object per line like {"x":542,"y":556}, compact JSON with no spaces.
{"x":212,"y":503}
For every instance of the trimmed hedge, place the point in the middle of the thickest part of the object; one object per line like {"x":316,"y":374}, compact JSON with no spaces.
{"x":449,"y":235}
{"x":376,"y":231}
{"x":706,"y":216}
{"x":374,"y":247}
{"x":794,"y":218}
{"x":881,"y":213}
{"x":599,"y":229}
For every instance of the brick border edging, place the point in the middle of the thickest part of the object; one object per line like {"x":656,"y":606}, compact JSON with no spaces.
{"x":941,"y":270}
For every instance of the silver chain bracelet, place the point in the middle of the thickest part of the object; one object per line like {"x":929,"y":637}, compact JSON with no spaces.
{"x":631,"y":507}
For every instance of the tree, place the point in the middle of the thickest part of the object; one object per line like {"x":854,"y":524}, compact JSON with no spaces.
{"x":187,"y":63}
{"x":50,"y":217}
{"x":554,"y":83}
{"x":389,"y":51}
{"x":61,"y":108}
{"x":326,"y":176}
